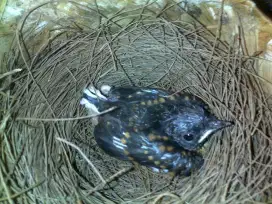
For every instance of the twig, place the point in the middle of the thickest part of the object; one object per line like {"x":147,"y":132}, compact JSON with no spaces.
{"x":23,"y":191}
{"x":218,"y":32}
{"x":85,"y":157}
{"x":6,"y":187}
{"x":148,"y":194}
{"x":110,"y":179}
{"x":4,"y":123}
{"x":164,"y":195}
{"x":10,"y":73}
{"x":67,"y":119}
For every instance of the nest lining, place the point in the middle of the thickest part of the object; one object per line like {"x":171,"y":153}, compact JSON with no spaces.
{"x":148,"y":51}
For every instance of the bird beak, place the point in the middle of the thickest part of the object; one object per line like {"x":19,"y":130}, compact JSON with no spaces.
{"x":220,"y":124}
{"x":215,"y":126}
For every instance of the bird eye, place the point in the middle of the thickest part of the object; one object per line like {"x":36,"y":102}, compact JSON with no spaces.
{"x":188,"y":137}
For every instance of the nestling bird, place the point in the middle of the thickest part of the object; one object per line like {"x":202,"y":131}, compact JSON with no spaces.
{"x":150,"y":149}
{"x":147,"y":121}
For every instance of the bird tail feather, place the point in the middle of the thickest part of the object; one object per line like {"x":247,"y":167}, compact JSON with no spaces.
{"x":92,"y":99}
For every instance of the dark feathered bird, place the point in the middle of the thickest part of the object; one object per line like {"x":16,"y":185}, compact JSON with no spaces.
{"x":149,"y":120}
{"x":151,"y":149}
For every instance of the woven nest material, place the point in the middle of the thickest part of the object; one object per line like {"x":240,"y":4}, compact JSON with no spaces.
{"x":47,"y":144}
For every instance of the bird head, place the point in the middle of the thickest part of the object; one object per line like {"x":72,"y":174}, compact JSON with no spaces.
{"x":192,"y":126}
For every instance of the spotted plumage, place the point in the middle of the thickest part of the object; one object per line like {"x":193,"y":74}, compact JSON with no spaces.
{"x":159,"y":155}
{"x":155,"y":127}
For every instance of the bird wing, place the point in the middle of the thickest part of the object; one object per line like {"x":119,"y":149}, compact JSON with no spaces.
{"x":136,"y":93}
{"x":139,"y":108}
{"x":142,"y":147}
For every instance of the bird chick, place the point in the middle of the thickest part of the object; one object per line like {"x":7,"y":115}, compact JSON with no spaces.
{"x":146,"y":148}
{"x":182,"y":118}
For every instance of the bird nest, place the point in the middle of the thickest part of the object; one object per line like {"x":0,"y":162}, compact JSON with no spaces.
{"x":47,"y":144}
